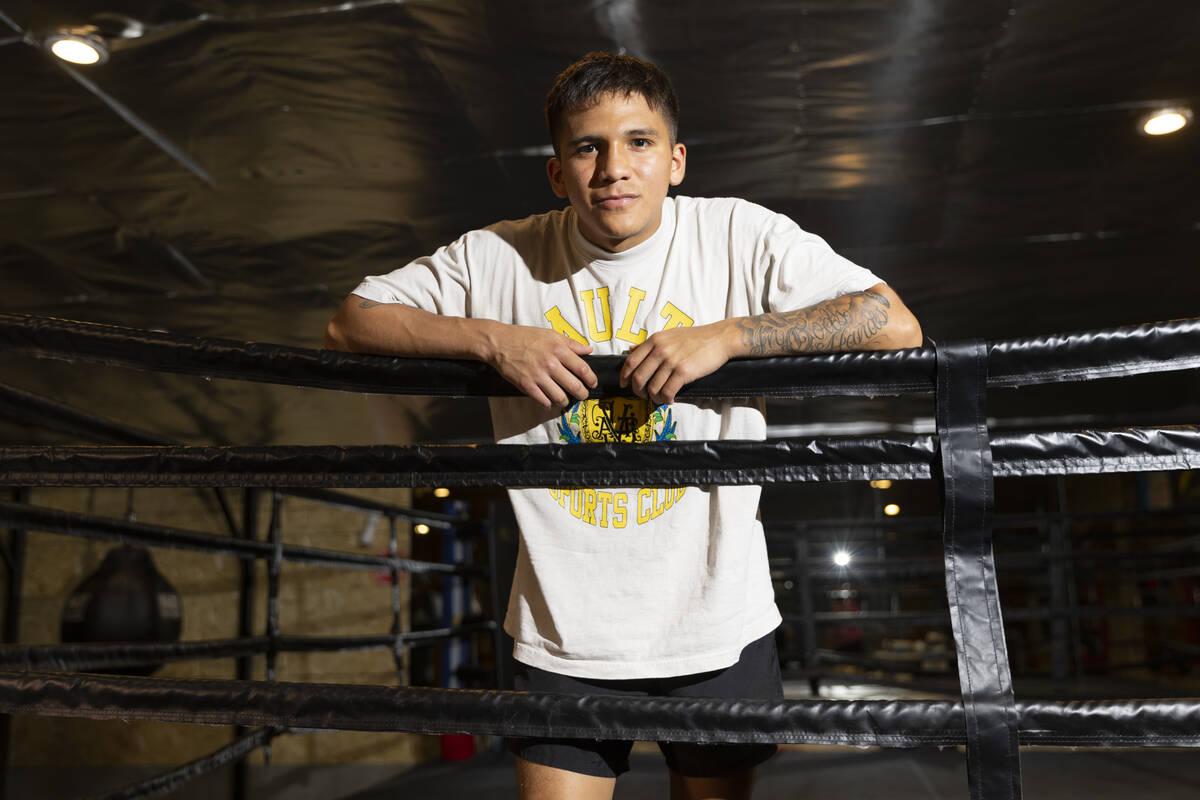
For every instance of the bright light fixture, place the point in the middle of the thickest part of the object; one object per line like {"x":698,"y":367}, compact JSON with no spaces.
{"x":441,"y":491}
{"x":881,"y":484}
{"x":420,"y":527}
{"x":1166,"y":120}
{"x":891,"y":509}
{"x":82,"y":46}
{"x":841,"y":558}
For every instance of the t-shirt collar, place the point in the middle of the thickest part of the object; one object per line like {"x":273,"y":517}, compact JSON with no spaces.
{"x":598,"y":256}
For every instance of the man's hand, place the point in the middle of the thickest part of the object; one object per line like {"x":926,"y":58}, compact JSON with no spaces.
{"x":873,"y":319}
{"x":545,"y":365}
{"x":658,"y":367}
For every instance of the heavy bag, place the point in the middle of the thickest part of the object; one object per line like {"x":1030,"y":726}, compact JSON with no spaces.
{"x":125,"y":600}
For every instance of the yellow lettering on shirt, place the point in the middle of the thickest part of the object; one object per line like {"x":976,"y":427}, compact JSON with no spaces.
{"x":589,"y":506}
{"x":560,"y":324}
{"x":589,"y":309}
{"x":626,"y":333}
{"x":605,"y":499}
{"x":674,"y":317}
{"x":619,"y":514}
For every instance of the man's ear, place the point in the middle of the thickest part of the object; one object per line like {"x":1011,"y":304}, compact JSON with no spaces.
{"x":678,"y":163}
{"x":555,"y":174}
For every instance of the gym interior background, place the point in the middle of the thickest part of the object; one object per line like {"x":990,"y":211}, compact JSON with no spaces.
{"x":232,"y":169}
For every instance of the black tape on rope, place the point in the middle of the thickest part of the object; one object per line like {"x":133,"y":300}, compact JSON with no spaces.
{"x":1065,"y":357}
{"x":993,"y":752}
{"x":1147,"y":723}
{"x":729,"y":462}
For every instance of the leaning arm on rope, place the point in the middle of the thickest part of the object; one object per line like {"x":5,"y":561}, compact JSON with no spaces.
{"x":544,"y":364}
{"x":873,"y":319}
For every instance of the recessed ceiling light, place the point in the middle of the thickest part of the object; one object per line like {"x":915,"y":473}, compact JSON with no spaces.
{"x":841,"y":558}
{"x":891,"y":509}
{"x":78,"y":46}
{"x":881,"y":484}
{"x":1166,"y":120}
{"x":421,"y":528}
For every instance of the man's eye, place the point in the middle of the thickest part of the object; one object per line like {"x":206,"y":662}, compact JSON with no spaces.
{"x":641,"y":142}
{"x":586,"y":148}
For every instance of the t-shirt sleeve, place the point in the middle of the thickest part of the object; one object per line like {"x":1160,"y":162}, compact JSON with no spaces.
{"x":799,"y":268}
{"x":439,"y":283}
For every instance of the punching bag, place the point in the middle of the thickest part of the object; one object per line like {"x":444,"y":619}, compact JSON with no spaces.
{"x":125,"y":600}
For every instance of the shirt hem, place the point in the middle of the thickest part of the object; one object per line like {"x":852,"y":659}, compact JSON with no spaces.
{"x":604,"y":669}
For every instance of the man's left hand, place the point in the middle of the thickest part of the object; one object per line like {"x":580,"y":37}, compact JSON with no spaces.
{"x":658,"y":367}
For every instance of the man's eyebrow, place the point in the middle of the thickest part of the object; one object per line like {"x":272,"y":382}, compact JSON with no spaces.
{"x":591,"y":138}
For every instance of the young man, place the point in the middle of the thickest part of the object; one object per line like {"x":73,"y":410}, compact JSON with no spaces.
{"x":637,"y":590}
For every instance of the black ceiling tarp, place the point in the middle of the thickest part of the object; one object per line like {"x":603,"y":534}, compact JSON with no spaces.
{"x":982,"y":156}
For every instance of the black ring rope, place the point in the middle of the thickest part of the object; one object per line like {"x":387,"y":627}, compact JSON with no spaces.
{"x":993,"y":752}
{"x":434,"y":711}
{"x":32,"y":409}
{"x":990,"y":723}
{"x":107,"y":655}
{"x":727,"y":462}
{"x":172,"y":780}
{"x":48,"y":520}
{"x":1089,"y":355}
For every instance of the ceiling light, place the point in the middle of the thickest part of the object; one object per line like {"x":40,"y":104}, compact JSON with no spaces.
{"x":841,"y":558}
{"x":441,"y":491}
{"x":1166,"y":120}
{"x":891,"y":509}
{"x":78,"y":46}
{"x":421,"y":527}
{"x":881,"y":484}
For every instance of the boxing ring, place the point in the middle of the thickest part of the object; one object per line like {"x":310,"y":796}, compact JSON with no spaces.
{"x":963,"y":457}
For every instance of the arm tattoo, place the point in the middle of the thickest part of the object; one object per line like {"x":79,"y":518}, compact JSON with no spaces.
{"x":848,"y":322}
{"x":369,"y":304}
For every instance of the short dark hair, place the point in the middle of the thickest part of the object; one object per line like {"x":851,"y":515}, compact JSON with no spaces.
{"x":596,"y":74}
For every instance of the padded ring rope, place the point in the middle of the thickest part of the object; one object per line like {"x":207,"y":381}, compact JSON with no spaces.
{"x":730,"y":462}
{"x":1148,"y":723}
{"x":98,"y":656}
{"x":1130,"y":350}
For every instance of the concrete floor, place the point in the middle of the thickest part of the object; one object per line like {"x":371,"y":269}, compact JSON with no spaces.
{"x":859,"y":774}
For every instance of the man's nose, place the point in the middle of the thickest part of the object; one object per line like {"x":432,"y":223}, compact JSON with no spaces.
{"x":614,"y":163}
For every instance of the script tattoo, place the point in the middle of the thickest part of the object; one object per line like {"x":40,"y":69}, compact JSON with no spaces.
{"x":369,"y":304}
{"x":843,"y":323}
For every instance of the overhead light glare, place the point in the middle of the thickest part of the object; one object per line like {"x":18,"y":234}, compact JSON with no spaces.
{"x":81,"y":46}
{"x":891,"y":509}
{"x":421,"y":527}
{"x":1166,"y":120}
{"x":881,"y":484}
{"x":841,"y":558}
{"x":441,"y":491}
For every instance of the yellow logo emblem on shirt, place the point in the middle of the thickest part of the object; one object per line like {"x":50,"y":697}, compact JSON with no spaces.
{"x":631,"y":420}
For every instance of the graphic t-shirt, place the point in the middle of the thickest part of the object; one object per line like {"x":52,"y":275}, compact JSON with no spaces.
{"x":636,"y":581}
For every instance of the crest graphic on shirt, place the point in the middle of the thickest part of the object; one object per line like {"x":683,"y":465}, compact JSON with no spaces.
{"x":631,"y":420}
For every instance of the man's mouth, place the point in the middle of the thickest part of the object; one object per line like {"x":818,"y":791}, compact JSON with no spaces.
{"x":615,"y":202}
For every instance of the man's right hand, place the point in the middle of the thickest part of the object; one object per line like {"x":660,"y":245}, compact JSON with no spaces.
{"x":545,"y":365}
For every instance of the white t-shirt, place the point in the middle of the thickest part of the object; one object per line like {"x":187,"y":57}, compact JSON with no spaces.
{"x":635,"y":582}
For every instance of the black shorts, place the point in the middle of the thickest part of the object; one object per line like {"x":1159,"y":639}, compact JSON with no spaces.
{"x":755,"y":676}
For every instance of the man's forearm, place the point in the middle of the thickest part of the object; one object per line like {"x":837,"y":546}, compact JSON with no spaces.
{"x":365,"y":326}
{"x":873,"y":319}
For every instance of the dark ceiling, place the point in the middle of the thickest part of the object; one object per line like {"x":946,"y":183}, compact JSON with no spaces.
{"x":237,"y":168}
